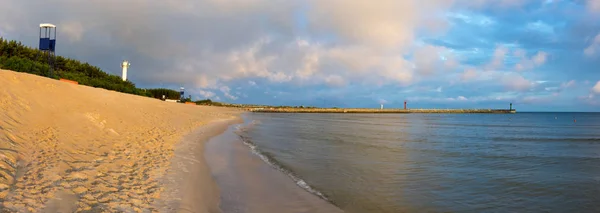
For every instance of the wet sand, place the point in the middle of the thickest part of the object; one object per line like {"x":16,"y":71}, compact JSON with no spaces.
{"x":67,"y":147}
{"x":189,"y":183}
{"x":247,"y":184}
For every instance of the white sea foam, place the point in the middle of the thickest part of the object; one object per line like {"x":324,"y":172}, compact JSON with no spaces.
{"x":241,"y":129}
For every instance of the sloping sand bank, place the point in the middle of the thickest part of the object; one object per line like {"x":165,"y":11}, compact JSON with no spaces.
{"x":66,"y":147}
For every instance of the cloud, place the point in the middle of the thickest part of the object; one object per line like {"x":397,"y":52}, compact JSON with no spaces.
{"x":383,"y":24}
{"x":568,"y":84}
{"x":593,"y":46}
{"x":539,"y":58}
{"x":231,"y":97}
{"x":427,"y":59}
{"x":593,"y":5}
{"x":537,"y":99}
{"x":335,"y":81}
{"x":451,"y":63}
{"x":226,"y":92}
{"x":471,"y":18}
{"x":515,"y":82}
{"x":596,"y":88}
{"x":254,"y":38}
{"x":438,"y":99}
{"x":310,"y":61}
{"x":529,"y":63}
{"x":459,"y":98}
{"x":469,"y":74}
{"x":206,"y":94}
{"x":496,"y":4}
{"x":498,"y":58}
{"x":541,"y":27}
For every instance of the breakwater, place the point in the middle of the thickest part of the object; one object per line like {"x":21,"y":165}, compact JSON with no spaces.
{"x":366,"y":110}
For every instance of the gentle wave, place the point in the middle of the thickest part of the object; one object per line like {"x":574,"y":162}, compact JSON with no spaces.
{"x":240,"y":129}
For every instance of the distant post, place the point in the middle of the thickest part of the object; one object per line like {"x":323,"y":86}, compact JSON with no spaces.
{"x":47,"y":44}
{"x":404,"y":104}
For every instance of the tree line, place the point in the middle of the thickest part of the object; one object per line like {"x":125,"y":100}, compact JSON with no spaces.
{"x":17,"y":57}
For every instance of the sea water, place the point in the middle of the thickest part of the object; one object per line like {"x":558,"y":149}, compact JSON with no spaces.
{"x":523,"y":162}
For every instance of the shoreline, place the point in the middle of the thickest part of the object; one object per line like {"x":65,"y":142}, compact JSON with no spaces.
{"x":249,"y":184}
{"x":189,"y":185}
{"x":394,"y":111}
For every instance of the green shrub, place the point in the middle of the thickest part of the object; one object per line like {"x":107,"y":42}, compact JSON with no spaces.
{"x":17,"y":57}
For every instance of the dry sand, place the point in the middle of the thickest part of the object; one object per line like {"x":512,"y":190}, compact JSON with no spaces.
{"x":66,"y":147}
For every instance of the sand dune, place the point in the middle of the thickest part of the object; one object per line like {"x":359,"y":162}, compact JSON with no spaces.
{"x":76,"y":148}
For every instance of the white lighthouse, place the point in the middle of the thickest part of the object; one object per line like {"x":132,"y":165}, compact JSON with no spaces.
{"x":125,"y":65}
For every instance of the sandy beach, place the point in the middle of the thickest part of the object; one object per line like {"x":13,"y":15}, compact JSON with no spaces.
{"x":66,"y":147}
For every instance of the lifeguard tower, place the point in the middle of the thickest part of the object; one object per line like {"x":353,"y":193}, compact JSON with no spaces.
{"x":47,"y":44}
{"x":181,"y":92}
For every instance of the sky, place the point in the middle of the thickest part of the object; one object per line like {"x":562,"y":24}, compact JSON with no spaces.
{"x":540,"y":55}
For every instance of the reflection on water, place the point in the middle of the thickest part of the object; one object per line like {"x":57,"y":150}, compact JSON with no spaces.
{"x":440,"y":162}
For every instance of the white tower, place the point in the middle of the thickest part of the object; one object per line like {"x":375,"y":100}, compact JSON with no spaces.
{"x":381,"y":106}
{"x":125,"y":65}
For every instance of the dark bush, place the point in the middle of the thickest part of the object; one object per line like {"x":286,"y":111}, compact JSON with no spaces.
{"x":17,"y":57}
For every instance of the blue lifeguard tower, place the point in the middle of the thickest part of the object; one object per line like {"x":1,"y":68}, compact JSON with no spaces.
{"x":181,"y":97}
{"x":47,"y":44}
